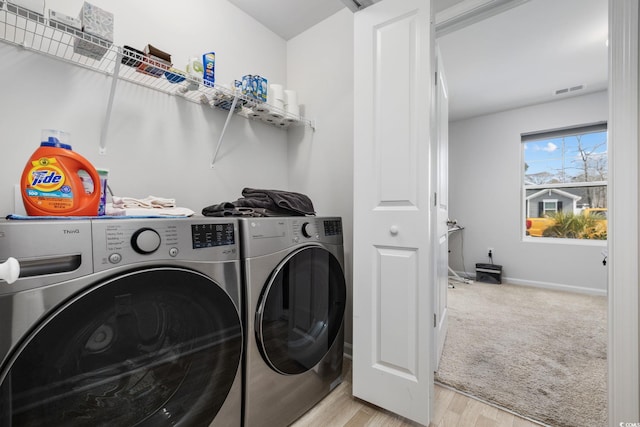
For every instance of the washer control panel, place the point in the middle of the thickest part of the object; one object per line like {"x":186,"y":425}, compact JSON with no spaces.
{"x":128,"y":241}
{"x":123,"y":237}
{"x":210,"y":235}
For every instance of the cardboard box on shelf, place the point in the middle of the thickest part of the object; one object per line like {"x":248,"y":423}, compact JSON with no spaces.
{"x":155,"y":62}
{"x":97,"y":28}
{"x":90,"y":46}
{"x":31,"y":9}
{"x":65,"y":23}
{"x":97,"y":22}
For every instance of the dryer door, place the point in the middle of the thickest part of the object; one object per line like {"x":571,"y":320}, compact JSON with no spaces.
{"x":154,"y":347}
{"x":301,"y":310}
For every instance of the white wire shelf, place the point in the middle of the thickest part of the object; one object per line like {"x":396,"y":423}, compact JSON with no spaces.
{"x":35,"y":32}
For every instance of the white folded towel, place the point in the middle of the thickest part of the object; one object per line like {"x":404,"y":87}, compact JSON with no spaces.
{"x":112,"y":210}
{"x":151,"y":202}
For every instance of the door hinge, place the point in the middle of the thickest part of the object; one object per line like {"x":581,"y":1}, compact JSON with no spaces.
{"x":435,"y":323}
{"x":435,"y":199}
{"x":436,"y":82}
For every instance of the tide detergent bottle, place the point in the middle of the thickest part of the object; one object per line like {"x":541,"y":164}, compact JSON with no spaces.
{"x":51,"y":184}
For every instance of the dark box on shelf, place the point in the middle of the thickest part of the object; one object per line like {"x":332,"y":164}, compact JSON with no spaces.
{"x":489,"y":273}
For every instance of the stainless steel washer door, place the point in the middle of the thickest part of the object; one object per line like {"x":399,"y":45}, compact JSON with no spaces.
{"x":301,"y":310}
{"x":155,"y":347}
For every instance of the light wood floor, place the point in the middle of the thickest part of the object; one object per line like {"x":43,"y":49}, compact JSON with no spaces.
{"x":452,"y":409}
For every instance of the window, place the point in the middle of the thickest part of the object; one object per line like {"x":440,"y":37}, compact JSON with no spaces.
{"x":550,"y":207}
{"x":565,"y":182}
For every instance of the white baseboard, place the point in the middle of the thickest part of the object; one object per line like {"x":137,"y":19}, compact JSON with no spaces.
{"x":547,"y":285}
{"x":556,"y":286}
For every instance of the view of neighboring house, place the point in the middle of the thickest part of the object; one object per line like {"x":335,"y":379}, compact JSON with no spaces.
{"x":549,"y":201}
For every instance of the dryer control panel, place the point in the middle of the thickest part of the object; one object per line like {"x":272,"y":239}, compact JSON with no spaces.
{"x":332,"y":227}
{"x":319,"y":229}
{"x":266,"y":235}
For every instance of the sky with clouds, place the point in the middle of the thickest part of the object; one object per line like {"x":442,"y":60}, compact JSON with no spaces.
{"x":555,"y":154}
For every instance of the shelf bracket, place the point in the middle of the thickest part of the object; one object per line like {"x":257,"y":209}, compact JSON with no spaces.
{"x":114,"y":83}
{"x":224,"y":129}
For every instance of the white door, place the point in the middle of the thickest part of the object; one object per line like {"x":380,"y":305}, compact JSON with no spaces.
{"x":392,"y":250}
{"x":440,"y":168}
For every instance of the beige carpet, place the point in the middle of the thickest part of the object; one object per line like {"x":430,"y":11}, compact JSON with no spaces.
{"x":539,"y":353}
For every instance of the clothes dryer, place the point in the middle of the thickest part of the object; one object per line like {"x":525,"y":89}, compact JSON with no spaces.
{"x":295,"y":298}
{"x":120,"y":323}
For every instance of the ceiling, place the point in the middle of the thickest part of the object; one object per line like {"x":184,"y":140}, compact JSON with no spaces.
{"x":524,"y":55}
{"x":516,"y":58}
{"x":288,"y":18}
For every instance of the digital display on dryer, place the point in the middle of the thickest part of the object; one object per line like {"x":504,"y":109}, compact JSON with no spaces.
{"x":333,"y":227}
{"x":211,"y":235}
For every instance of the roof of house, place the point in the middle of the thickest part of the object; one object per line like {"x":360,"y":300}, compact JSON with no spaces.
{"x":555,"y":190}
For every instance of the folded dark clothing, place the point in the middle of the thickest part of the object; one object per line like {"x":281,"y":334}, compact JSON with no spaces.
{"x":220,"y":207}
{"x":218,"y":211}
{"x":263,"y":203}
{"x":229,"y":212}
{"x":283,"y":200}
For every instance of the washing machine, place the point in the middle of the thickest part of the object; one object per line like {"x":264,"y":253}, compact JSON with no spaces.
{"x":295,"y":297}
{"x":121,"y":322}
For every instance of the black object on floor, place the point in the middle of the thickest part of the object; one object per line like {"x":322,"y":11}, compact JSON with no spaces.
{"x":489,"y":273}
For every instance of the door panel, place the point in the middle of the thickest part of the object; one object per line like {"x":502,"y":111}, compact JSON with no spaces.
{"x":392,"y":349}
{"x":397,"y":278}
{"x":152,"y":347}
{"x":301,"y":311}
{"x":396,"y":163}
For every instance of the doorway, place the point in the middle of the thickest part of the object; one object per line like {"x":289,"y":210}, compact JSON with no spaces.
{"x":485,"y":183}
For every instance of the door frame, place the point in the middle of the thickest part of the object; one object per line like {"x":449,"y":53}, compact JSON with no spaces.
{"x":623,"y":243}
{"x":624,"y":393}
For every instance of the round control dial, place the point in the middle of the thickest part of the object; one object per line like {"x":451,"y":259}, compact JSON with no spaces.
{"x":307,"y":230}
{"x":145,"y":241}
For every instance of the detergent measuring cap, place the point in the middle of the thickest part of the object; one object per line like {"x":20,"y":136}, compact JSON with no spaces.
{"x":51,"y":182}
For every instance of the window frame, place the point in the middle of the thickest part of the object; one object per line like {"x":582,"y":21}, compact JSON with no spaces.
{"x":524,"y":209}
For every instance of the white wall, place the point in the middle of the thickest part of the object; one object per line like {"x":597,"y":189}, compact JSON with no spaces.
{"x":320,"y":69}
{"x":158,"y":144}
{"x":485,"y":197}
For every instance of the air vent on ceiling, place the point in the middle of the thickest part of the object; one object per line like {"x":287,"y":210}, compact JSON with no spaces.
{"x":568,"y":90}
